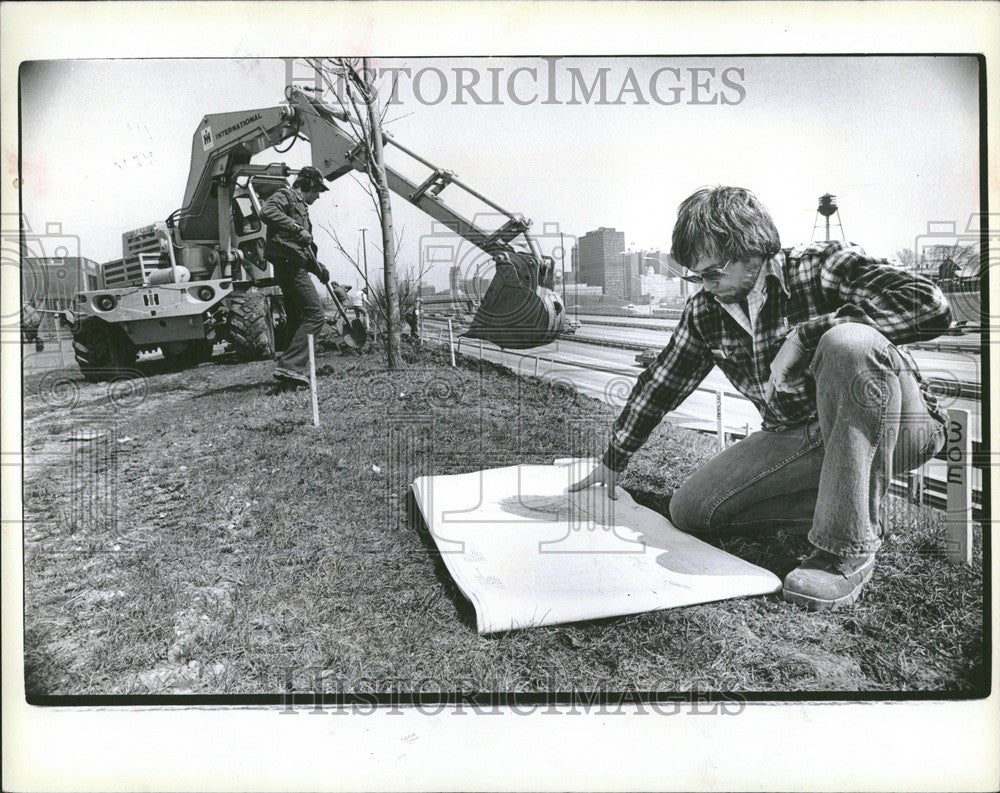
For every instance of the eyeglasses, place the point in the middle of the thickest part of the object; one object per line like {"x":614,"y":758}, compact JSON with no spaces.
{"x":711,"y":274}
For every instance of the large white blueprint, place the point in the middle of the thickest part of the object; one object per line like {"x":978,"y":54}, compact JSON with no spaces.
{"x":526,"y":552}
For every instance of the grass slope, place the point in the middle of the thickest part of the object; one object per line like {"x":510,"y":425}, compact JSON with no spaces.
{"x":205,"y":538}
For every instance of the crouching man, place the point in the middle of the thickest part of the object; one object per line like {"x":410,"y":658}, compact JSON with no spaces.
{"x":809,"y":336}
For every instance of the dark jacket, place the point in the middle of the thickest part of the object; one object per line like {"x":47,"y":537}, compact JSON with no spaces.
{"x":287,"y":216}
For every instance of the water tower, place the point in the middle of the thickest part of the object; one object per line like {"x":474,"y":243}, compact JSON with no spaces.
{"x":828,"y":209}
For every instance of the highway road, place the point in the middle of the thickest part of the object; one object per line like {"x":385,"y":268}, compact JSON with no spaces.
{"x":652,"y":337}
{"x":964,"y":343}
{"x":639,"y":321}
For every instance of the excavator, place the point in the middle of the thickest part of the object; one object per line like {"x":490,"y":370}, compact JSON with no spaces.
{"x":201,"y":278}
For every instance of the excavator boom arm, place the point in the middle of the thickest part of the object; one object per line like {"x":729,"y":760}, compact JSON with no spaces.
{"x":519,"y":310}
{"x":335,"y":152}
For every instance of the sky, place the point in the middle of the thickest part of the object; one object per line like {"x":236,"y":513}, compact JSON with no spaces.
{"x":106,"y":143}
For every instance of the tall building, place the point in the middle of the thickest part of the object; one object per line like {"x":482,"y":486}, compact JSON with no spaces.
{"x":598,"y":260}
{"x":476,"y":286}
{"x":633,"y":267}
{"x":455,"y":279}
{"x":663,"y":263}
{"x":660,"y":263}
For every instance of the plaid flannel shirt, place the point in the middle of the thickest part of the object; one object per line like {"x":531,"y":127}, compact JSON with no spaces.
{"x":808,"y":289}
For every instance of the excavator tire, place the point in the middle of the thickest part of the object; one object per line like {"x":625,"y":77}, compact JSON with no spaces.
{"x":102,"y":350}
{"x":250,"y":327}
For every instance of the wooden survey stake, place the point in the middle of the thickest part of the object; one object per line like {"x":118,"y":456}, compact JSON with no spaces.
{"x":720,"y":420}
{"x":312,"y":380}
{"x":451,"y":343}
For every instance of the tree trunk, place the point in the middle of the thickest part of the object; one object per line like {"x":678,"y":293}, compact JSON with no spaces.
{"x":394,"y":358}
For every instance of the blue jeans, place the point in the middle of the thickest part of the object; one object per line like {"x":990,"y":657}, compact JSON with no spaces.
{"x":828,"y":477}
{"x":305,"y":316}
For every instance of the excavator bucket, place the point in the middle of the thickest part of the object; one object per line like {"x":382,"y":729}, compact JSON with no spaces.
{"x":517,"y":313}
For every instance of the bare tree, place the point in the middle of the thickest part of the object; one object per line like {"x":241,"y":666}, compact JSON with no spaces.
{"x":907,"y":258}
{"x":360,"y":102}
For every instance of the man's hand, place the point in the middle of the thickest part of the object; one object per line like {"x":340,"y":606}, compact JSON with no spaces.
{"x":304,"y":237}
{"x":786,"y":368}
{"x":322,"y":273}
{"x":601,"y":475}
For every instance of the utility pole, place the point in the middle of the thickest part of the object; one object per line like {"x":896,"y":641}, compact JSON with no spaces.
{"x":364,"y":251}
{"x":394,"y":358}
{"x":562,"y":260}
{"x":576,"y":279}
{"x":625,"y":279}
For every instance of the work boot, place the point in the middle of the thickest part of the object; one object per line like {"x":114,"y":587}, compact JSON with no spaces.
{"x":826,"y":581}
{"x":290,"y":381}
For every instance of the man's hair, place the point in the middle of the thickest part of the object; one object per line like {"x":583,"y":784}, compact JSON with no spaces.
{"x":303,"y":182}
{"x":724,"y":223}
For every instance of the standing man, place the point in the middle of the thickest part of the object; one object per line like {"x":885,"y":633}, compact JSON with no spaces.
{"x":411,"y":317}
{"x":31,"y":321}
{"x":809,"y":335}
{"x":290,"y":248}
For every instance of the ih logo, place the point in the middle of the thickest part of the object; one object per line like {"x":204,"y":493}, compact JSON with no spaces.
{"x":206,"y":138}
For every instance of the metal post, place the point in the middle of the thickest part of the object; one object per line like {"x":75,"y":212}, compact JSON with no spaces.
{"x":720,"y":426}
{"x":451,"y":343}
{"x":364,"y":252}
{"x":958,"y":515}
{"x":576,"y":282}
{"x":55,"y":324}
{"x":312,"y":381}
{"x":915,"y":486}
{"x":923,"y":483}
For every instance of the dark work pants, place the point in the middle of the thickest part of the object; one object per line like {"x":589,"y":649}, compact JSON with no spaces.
{"x":305,"y":316}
